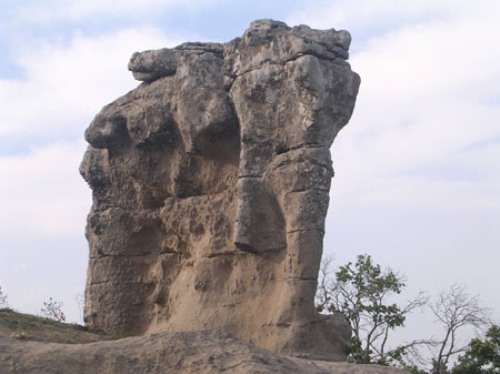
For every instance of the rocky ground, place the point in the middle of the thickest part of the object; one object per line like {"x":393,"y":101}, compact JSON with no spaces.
{"x":30,"y":344}
{"x":26,"y":327}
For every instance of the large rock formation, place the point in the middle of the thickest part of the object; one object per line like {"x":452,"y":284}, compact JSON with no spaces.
{"x":211,"y":186}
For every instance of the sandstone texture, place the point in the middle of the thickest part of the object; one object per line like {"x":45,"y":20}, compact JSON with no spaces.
{"x":210,"y":189}
{"x":188,"y":352}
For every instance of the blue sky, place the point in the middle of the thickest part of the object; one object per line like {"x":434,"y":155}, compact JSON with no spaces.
{"x":417,"y":178}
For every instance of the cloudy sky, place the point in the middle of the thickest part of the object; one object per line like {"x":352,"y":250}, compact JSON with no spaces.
{"x":417,"y":181}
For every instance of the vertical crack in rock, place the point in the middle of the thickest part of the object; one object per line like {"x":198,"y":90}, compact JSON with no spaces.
{"x":211,"y":186}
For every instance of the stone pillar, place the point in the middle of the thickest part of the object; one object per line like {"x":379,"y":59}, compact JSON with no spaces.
{"x":211,"y":186}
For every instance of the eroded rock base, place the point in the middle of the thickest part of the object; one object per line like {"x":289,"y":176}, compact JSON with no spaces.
{"x":196,"y":352}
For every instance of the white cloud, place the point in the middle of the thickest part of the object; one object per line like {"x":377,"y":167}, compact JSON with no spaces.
{"x":373,"y":18}
{"x":42,"y":192}
{"x":453,"y":59}
{"x":77,"y":10}
{"x":64,"y":86}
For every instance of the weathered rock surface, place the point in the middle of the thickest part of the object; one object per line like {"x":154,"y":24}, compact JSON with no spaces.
{"x":211,"y":186}
{"x":194,"y":352}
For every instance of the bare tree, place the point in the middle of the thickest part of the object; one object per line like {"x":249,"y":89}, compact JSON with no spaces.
{"x":454,"y":310}
{"x":53,"y":310}
{"x":80,"y":302}
{"x":3,"y":299}
{"x":325,"y":284}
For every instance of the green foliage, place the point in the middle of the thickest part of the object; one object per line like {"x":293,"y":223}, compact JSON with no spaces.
{"x":414,"y":369}
{"x":482,"y":356}
{"x":361,"y":292}
{"x":364,"y":293}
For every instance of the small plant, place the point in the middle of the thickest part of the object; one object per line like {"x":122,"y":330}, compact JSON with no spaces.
{"x":52,"y":310}
{"x":3,"y":300}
